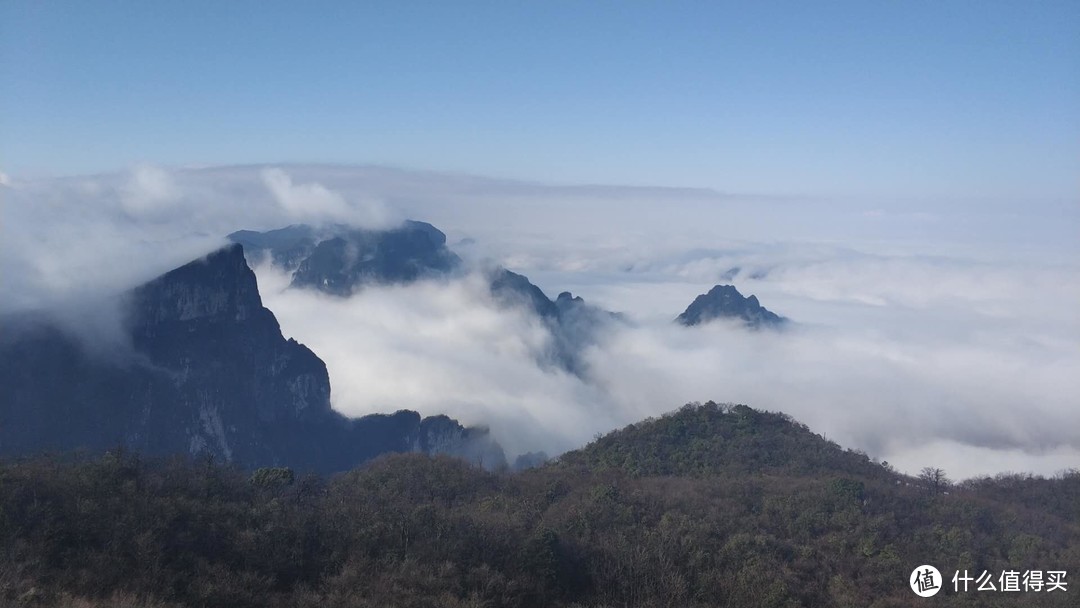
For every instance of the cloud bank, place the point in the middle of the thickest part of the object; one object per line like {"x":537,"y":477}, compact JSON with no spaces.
{"x":880,"y":384}
{"x":942,"y":336}
{"x":313,"y":203}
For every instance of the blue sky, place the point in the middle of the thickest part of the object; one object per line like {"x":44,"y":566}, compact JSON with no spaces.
{"x":888,"y":100}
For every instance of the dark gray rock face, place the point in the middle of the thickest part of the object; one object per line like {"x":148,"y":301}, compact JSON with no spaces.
{"x":209,"y":373}
{"x":513,"y":289}
{"x":725,"y":302}
{"x":339,"y":260}
{"x":573,"y":323}
{"x":443,"y":435}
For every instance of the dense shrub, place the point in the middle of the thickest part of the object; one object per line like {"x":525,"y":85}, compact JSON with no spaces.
{"x":708,"y":506}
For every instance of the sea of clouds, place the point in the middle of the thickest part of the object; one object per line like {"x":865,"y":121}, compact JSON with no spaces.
{"x":926,"y":333}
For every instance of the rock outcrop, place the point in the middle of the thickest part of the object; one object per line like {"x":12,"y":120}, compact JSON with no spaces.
{"x":340,"y":260}
{"x":208,"y":373}
{"x":725,"y":302}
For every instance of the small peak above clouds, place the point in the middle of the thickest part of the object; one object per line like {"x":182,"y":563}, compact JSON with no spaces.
{"x":725,"y":302}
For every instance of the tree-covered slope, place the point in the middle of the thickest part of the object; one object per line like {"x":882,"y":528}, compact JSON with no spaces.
{"x":416,"y":531}
{"x":714,"y":439}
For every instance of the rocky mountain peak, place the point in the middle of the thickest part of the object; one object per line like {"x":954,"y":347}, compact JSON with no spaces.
{"x":725,"y":302}
{"x":566,"y":298}
{"x":210,"y":374}
{"x":219,"y":287}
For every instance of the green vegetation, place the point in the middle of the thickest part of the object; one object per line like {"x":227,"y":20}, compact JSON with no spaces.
{"x":708,"y":506}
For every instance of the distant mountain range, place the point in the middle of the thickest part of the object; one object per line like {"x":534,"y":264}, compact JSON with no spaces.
{"x":208,"y":372}
{"x":341,"y":261}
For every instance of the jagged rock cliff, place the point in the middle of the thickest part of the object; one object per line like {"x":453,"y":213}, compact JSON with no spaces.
{"x":573,"y":323}
{"x":208,"y":372}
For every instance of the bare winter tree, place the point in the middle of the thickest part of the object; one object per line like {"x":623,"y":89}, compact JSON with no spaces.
{"x":934,"y":479}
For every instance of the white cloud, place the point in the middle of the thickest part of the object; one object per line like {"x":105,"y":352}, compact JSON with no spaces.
{"x":441,"y":347}
{"x":314,"y":203}
{"x":149,"y":192}
{"x":871,"y":381}
{"x":924,"y":343}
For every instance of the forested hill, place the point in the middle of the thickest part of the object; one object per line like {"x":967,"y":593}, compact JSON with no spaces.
{"x":708,"y":506}
{"x":714,"y":439}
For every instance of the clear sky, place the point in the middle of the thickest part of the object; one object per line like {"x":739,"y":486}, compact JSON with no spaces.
{"x":920,"y":100}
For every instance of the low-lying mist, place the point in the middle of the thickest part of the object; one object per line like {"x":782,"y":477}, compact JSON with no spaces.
{"x":445,"y":346}
{"x":925,"y":336}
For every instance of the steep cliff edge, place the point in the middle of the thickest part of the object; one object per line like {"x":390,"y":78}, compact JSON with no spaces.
{"x":208,"y":372}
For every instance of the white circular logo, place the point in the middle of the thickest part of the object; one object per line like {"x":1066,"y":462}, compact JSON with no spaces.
{"x":925,"y":581}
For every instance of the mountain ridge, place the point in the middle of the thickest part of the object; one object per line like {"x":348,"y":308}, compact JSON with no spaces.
{"x":211,"y":374}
